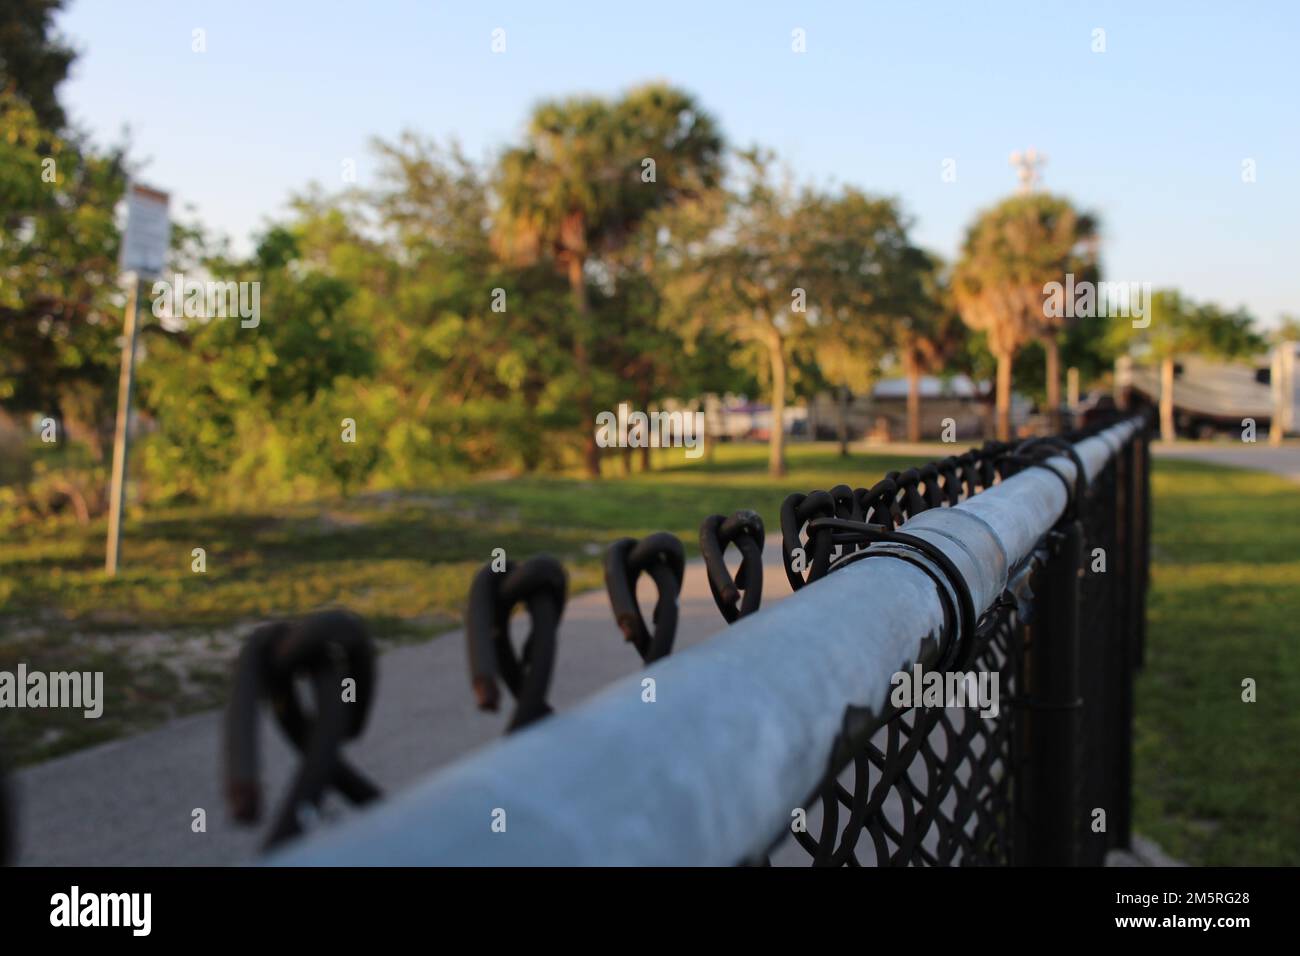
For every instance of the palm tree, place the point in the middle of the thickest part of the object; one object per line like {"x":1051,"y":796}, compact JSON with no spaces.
{"x":586,"y":177}
{"x":1011,"y":252}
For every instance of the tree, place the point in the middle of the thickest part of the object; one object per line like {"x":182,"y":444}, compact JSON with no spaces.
{"x":928,"y":336}
{"x":59,"y":301}
{"x":1010,"y":253}
{"x":786,"y":270}
{"x":60,"y":305}
{"x":648,"y":356}
{"x":33,"y":62}
{"x":588,"y":173}
{"x":472,"y":349}
{"x":874,"y":280}
{"x":1179,"y":326}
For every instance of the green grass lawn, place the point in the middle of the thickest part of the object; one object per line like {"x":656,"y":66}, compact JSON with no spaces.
{"x":1216,"y":779}
{"x":165,"y":636}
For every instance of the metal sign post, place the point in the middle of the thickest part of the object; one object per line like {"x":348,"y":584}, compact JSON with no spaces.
{"x":144,"y":253}
{"x":121,"y":436}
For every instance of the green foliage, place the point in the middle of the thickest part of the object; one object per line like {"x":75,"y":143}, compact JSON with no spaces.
{"x":446,"y":359}
{"x":849,"y":253}
{"x":474,"y":351}
{"x":392,"y":323}
{"x":812,"y":284}
{"x":580,"y":191}
{"x":348,"y":459}
{"x":248,"y":403}
{"x":929,"y":333}
{"x":471,"y":317}
{"x":33,"y":62}
{"x":1179,"y":326}
{"x":1087,"y":345}
{"x":60,"y":309}
{"x":578,"y":184}
{"x":1286,"y":330}
{"x":48,"y":483}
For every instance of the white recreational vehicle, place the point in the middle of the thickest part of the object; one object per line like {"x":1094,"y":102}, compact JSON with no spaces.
{"x":1212,"y":395}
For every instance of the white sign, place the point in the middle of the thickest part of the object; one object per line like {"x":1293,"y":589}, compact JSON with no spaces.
{"x":148,"y":231}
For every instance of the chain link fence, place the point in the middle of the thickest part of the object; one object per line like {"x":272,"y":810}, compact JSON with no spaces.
{"x":951,"y":684}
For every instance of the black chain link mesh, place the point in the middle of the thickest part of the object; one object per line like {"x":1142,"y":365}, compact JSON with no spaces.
{"x":937,"y":785}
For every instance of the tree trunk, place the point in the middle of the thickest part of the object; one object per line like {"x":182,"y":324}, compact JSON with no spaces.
{"x":1167,"y":399}
{"x":776,"y":440}
{"x":76,"y":499}
{"x":645,"y":405}
{"x":913,"y":371}
{"x":1004,"y":396}
{"x":844,"y":420}
{"x":1053,"y":350}
{"x":582,"y":363}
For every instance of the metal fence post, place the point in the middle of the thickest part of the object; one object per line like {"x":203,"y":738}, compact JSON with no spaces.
{"x":1053,"y":718}
{"x":1122,"y":652}
{"x":1142,"y":536}
{"x":1134,"y":531}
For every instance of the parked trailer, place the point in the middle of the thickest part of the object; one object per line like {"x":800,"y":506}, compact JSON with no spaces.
{"x":1213,"y":395}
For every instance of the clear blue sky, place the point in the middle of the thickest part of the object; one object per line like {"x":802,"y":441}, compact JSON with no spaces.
{"x":1150,"y":134}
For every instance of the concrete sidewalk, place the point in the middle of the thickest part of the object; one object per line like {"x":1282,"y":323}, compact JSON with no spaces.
{"x":1283,"y":460}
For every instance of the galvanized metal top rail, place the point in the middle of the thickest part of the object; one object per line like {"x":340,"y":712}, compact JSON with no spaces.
{"x":742,"y":726}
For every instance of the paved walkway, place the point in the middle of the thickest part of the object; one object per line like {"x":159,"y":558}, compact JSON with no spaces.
{"x":1283,"y":460}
